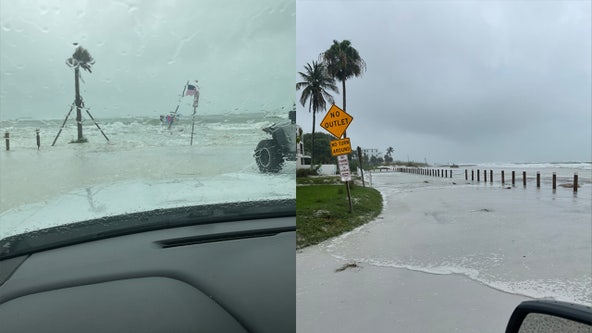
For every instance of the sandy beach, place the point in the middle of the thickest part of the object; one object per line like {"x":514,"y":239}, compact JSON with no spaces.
{"x":446,"y":257}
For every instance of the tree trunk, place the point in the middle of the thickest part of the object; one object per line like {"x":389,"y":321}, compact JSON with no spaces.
{"x":78,"y":102}
{"x":313,"y":135}
{"x":343,"y":87}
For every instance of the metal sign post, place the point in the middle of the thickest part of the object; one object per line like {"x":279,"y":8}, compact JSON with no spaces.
{"x":336,"y":121}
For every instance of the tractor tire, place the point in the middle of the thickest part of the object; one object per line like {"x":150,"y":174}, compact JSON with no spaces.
{"x":268,"y":156}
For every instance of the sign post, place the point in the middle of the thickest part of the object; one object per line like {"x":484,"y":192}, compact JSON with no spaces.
{"x":336,"y":122}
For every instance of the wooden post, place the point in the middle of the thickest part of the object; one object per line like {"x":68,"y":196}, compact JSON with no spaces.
{"x":472,"y":175}
{"x":359,"y":150}
{"x":524,"y":178}
{"x":466,"y":174}
{"x":38,"y":138}
{"x":513,"y":178}
{"x":478,"y":175}
{"x":538,"y":179}
{"x":485,"y":175}
{"x":7,"y":137}
{"x":503,"y":178}
{"x":575,"y":182}
{"x":554,"y":181}
{"x":491,"y":176}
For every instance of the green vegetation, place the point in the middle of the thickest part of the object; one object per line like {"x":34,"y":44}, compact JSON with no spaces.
{"x":316,"y":82}
{"x":306,"y":172}
{"x":322,"y":147}
{"x":343,"y":62}
{"x":323,"y":210}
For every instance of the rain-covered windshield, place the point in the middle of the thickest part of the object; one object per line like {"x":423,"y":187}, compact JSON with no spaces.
{"x":112,"y":107}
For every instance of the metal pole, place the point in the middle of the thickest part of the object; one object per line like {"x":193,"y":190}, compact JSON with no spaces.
{"x":193,"y":125}
{"x":63,"y":124}
{"x":93,"y":119}
{"x":361,"y":166}
{"x":177,"y":108}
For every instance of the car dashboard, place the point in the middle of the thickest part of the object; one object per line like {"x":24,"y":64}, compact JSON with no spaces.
{"x":229,"y":276}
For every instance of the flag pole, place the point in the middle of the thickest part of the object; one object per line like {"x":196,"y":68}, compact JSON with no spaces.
{"x":195,"y":104}
{"x":179,"y":103}
{"x":193,"y":125}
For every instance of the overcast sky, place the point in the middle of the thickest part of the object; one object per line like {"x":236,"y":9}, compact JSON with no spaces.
{"x":460,"y":81}
{"x":242,"y":53}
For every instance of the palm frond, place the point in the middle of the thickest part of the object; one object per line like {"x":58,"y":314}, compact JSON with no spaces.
{"x":82,"y":58}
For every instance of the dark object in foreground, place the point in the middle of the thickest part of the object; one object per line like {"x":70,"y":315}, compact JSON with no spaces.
{"x":271,"y":153}
{"x":227,"y":267}
{"x":545,"y":316}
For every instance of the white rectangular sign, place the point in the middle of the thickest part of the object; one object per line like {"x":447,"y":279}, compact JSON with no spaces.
{"x":344,"y":168}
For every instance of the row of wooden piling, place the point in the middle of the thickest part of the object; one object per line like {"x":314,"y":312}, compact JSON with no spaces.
{"x":503,"y":178}
{"x":442,"y":173}
{"x":445,"y":173}
{"x":7,"y":139}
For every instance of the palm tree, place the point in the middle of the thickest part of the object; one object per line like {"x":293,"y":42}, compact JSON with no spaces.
{"x":389,"y":151}
{"x":316,"y":82}
{"x":80,"y":58}
{"x":388,"y":157}
{"x":343,"y":62}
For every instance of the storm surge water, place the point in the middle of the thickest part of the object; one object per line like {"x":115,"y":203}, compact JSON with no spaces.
{"x":143,"y":131}
{"x":528,"y":241}
{"x":145,"y":165}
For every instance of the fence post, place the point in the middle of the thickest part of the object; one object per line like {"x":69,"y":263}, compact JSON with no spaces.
{"x":478,"y":175}
{"x":472,"y":175}
{"x":491,"y":176}
{"x":7,"y":137}
{"x":485,"y":176}
{"x":513,"y":178}
{"x":466,"y":174}
{"x":538,"y":179}
{"x":38,"y":138}
{"x":554,"y":181}
{"x":524,"y":178}
{"x":575,"y":182}
{"x":503,"y":178}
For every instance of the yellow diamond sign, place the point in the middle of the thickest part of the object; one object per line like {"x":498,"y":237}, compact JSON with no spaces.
{"x":336,"y":121}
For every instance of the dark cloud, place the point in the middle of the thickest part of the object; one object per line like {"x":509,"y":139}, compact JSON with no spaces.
{"x":145,"y":52}
{"x":504,"y":75}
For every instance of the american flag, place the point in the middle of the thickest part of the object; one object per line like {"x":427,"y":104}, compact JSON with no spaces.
{"x":191,"y":89}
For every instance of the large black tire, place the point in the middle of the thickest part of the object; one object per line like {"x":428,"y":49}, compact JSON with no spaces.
{"x":268,"y":156}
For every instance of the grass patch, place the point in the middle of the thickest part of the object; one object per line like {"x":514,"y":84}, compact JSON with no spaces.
{"x":322,"y":211}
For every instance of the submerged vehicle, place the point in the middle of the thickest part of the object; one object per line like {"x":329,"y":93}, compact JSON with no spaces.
{"x":270,"y":154}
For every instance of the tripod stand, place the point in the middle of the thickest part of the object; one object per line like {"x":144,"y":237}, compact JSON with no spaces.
{"x":66,"y":119}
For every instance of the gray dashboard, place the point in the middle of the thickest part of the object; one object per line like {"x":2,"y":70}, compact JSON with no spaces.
{"x":236,"y":276}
